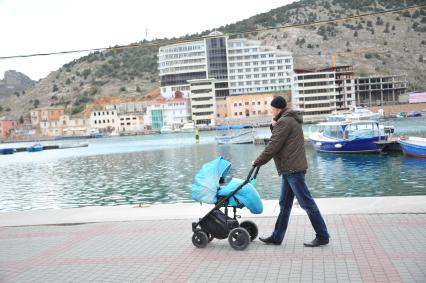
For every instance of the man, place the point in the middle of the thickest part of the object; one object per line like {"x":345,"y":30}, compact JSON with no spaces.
{"x":286,"y":147}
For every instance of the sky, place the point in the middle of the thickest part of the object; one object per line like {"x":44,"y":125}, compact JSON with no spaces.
{"x":41,"y":26}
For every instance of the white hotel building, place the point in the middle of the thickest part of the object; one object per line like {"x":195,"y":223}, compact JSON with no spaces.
{"x":235,"y":66}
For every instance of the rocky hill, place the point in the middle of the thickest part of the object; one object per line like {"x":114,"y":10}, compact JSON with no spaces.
{"x":14,"y":83}
{"x":391,"y":43}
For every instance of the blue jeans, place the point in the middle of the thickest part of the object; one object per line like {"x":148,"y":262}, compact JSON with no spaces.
{"x":295,"y":185}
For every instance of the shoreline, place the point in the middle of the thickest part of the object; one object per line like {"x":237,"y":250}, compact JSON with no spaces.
{"x":178,"y":211}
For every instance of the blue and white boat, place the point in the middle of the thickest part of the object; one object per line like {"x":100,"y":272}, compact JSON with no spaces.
{"x":7,"y":150}
{"x":348,"y":137}
{"x":34,"y":148}
{"x":413,"y":146}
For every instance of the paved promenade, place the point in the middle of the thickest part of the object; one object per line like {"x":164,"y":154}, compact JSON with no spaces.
{"x":366,"y":245}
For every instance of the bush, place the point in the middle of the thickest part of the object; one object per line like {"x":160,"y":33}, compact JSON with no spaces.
{"x":123,"y":88}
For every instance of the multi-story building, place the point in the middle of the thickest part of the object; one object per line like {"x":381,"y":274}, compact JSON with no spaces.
{"x":130,"y":123}
{"x":7,"y":125}
{"x":238,"y":66}
{"x":104,"y":120}
{"x":314,"y":94}
{"x":345,"y":86}
{"x":75,"y":126}
{"x":46,"y":114}
{"x":380,"y":90}
{"x":203,"y":101}
{"x":173,"y":112}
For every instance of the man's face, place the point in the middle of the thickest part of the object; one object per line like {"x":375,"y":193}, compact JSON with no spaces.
{"x":275,"y":111}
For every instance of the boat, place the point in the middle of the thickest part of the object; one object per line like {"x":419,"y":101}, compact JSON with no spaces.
{"x":188,"y":128}
{"x":414,"y":114}
{"x":359,"y":113}
{"x":237,"y":134}
{"x":413,"y":146}
{"x":7,"y":150}
{"x":166,"y":129}
{"x":35,"y":148}
{"x":348,"y":136}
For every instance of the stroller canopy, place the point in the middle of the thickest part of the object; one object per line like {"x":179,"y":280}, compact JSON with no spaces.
{"x":206,"y":187}
{"x":247,"y":195}
{"x":206,"y":183}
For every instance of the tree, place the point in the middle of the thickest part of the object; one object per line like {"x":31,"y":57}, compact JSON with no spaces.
{"x":86,"y":73}
{"x":123,"y":88}
{"x":356,"y":34}
{"x":21,"y":120}
{"x":138,"y":89}
{"x":68,"y":81}
{"x":36,"y":103}
{"x":55,"y":88}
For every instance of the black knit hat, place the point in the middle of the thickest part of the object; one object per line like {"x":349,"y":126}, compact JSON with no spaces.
{"x":279,"y":102}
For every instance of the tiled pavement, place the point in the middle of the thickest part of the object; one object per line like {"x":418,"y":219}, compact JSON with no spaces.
{"x":363,"y":248}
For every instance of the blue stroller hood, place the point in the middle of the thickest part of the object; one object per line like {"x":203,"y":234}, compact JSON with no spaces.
{"x":206,"y":183}
{"x":247,"y":195}
{"x":206,"y":187}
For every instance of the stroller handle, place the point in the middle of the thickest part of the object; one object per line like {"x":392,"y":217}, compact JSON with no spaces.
{"x":254,"y":169}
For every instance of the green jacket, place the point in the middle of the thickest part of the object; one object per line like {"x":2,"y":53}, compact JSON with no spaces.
{"x":286,"y":145}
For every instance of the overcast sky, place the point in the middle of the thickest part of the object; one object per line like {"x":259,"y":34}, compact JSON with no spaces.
{"x":40,"y":26}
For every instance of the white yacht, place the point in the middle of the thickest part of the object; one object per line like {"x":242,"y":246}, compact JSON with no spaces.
{"x":359,"y":113}
{"x":187,"y":128}
{"x":166,"y":129}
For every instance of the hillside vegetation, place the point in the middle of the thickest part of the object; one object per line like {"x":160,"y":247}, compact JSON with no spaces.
{"x":392,"y":43}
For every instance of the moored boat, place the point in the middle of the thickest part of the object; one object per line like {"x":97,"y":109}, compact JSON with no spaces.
{"x":236,"y":135}
{"x":348,"y":137}
{"x":166,"y":129}
{"x":7,"y":150}
{"x":413,"y":146}
{"x":35,"y":148}
{"x":358,"y":113}
{"x":187,"y":128}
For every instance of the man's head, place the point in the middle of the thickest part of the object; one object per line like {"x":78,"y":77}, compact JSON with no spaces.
{"x":278,"y":103}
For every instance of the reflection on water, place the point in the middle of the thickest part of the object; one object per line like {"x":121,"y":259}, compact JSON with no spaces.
{"x":160,"y":169}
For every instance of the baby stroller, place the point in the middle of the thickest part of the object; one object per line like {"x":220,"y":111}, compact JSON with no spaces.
{"x":212,"y":185}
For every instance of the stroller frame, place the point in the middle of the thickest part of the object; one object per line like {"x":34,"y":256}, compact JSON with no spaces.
{"x":239,"y":235}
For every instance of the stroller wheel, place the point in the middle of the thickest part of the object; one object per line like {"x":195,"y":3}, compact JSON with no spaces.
{"x":251,"y":228}
{"x":200,"y":239}
{"x":239,"y":238}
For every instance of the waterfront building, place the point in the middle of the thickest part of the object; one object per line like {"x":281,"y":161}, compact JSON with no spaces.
{"x":203,"y":101}
{"x":129,"y":107}
{"x":7,"y":126}
{"x":104,"y":120}
{"x":75,"y":126}
{"x":51,"y":128}
{"x":381,"y":90}
{"x":45,"y":114}
{"x":345,"y":86}
{"x":314,"y":94}
{"x":246,"y":109}
{"x":130,"y":123}
{"x":238,"y":66}
{"x":173,"y":112}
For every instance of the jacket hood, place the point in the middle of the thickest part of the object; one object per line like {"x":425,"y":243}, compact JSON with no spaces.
{"x":291,"y":113}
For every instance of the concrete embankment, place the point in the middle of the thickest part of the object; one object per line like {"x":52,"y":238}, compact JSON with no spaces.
{"x":354,"y":205}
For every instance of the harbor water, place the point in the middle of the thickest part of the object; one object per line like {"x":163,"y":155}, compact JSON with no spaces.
{"x":160,"y":169}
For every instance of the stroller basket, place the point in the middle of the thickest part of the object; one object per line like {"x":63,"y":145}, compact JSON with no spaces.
{"x":236,"y":194}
